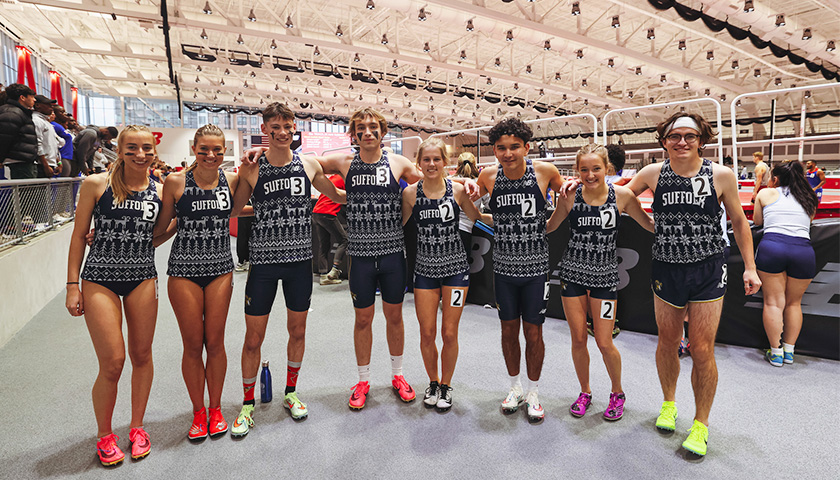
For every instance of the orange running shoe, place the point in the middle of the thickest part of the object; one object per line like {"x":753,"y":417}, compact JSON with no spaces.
{"x":108,"y":451}
{"x":403,"y":389}
{"x":140,"y":445}
{"x":360,"y":391}
{"x":198,"y":431}
{"x":218,"y":425}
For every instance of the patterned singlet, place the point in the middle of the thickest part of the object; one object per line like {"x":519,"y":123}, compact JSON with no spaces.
{"x":519,"y":213}
{"x":282,"y":228}
{"x":374,"y":209}
{"x":122,"y":248}
{"x":590,"y":259}
{"x":686,"y":213}
{"x":202,"y":245}
{"x":440,"y":252}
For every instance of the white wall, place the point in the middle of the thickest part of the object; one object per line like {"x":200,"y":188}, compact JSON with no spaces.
{"x":33,"y":275}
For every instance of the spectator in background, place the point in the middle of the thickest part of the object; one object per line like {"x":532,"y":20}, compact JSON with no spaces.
{"x":47,"y":141}
{"x":815,"y":177}
{"x":99,"y":161}
{"x":617,"y":159}
{"x":330,"y":230}
{"x":762,"y":174}
{"x":467,"y":168}
{"x":18,"y":141}
{"x":65,"y":150}
{"x":85,"y":145}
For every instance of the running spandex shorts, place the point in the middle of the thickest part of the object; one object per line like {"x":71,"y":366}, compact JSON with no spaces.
{"x":261,"y":288}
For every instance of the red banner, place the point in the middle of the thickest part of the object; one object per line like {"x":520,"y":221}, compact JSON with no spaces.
{"x":55,"y":87}
{"x":75,"y":94}
{"x":25,"y":66}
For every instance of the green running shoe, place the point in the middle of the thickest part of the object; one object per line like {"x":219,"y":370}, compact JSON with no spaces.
{"x":295,"y":406}
{"x":244,"y":422}
{"x":667,"y":420}
{"x":698,"y":437}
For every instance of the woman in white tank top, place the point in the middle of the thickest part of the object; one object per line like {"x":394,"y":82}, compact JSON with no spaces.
{"x":785,"y":259}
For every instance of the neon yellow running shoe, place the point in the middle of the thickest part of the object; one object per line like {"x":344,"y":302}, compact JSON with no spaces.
{"x":698,"y":437}
{"x":667,"y":420}
{"x":244,"y":421}
{"x":295,"y":406}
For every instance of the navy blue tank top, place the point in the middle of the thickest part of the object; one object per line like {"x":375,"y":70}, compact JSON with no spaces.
{"x":519,"y":213}
{"x":686,"y":214}
{"x":122,"y":248}
{"x":440,"y":252}
{"x":590,"y":259}
{"x":282,"y":228}
{"x":202,"y":246}
{"x":374,"y":209}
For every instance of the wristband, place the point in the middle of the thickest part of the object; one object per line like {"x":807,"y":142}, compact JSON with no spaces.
{"x":72,"y":283}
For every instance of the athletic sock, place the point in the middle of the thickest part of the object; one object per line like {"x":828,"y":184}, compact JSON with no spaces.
{"x":292,"y":370}
{"x":515,"y":382}
{"x":777,"y":351}
{"x":788,"y":348}
{"x":248,"y":386}
{"x":396,"y":365}
{"x":364,"y":373}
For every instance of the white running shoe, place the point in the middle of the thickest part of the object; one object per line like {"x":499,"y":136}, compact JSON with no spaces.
{"x":444,"y":403}
{"x":513,"y":400}
{"x":430,"y":399}
{"x":535,"y":410}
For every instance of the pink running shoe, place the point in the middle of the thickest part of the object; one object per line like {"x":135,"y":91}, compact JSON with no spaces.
{"x":583,"y":401}
{"x":108,"y":451}
{"x":140,"y":445}
{"x":403,"y":389}
{"x":615,"y":410}
{"x":218,"y":425}
{"x":198,"y":430}
{"x":360,"y":391}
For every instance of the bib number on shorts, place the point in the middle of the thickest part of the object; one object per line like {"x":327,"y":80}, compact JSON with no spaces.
{"x":529,"y":207}
{"x":382,"y":176}
{"x":297,"y":186}
{"x":608,"y":218}
{"x":702,"y":186}
{"x":608,"y":309}
{"x":457,"y":298}
{"x":223,"y":197}
{"x":447,"y":212}
{"x":150,"y":211}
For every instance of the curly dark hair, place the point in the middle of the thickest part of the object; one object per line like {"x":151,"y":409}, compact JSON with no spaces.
{"x":706,"y":132}
{"x":617,"y":156}
{"x":510,"y":126}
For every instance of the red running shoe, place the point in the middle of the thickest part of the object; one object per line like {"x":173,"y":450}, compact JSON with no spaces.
{"x":108,"y":451}
{"x":198,"y":431}
{"x":403,"y":389}
{"x":360,"y":391}
{"x":140,"y":445}
{"x":218,"y":425}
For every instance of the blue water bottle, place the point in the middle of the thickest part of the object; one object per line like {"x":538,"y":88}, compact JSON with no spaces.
{"x":265,"y":383}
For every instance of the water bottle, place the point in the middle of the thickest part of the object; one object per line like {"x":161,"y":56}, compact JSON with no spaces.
{"x":265,"y":383}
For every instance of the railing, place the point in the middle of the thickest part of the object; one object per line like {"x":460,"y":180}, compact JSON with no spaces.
{"x":31,"y":207}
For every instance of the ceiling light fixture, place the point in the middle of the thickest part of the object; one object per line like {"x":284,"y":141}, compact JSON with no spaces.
{"x":710,"y":55}
{"x":509,"y":36}
{"x":615,"y":22}
{"x":207,"y":9}
{"x":780,"y":20}
{"x":583,"y":83}
{"x":370,"y":5}
{"x":356,"y":58}
{"x":807,"y":94}
{"x":651,"y":33}
{"x":806,"y":34}
{"x":316,"y":52}
{"x":579,"y":54}
{"x":748,"y":6}
{"x":611,"y":63}
{"x":829,"y":46}
{"x":681,"y":45}
{"x":394,"y":65}
{"x":685,"y":85}
{"x":289,"y":23}
{"x":528,"y":69}
{"x":273,"y":45}
{"x":757,"y":73}
{"x":421,"y":16}
{"x":663,"y":78}
{"x":638,"y":70}
{"x":384,"y":40}
{"x":251,"y":16}
{"x":778,"y":81}
{"x":609,"y":89}
{"x":240,"y":40}
{"x":498,"y":62}
{"x":470,"y":26}
{"x":547,"y":45}
{"x":338,"y":32}
{"x":707,"y":92}
{"x":204,"y":34}
{"x":463,"y":55}
{"x":428,"y":69}
{"x":735,"y":65}
{"x":575,"y":8}
{"x":426,"y":48}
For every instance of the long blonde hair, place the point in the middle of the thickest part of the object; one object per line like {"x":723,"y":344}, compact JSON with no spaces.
{"x":208,"y":130}
{"x":466,"y":165}
{"x":432,"y":142}
{"x":116,"y":178}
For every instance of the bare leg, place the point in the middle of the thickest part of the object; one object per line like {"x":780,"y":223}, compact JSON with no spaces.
{"x":575,"y":309}
{"x":296,"y":324}
{"x":394,"y":327}
{"x":534,"y":350}
{"x":703,"y":320}
{"x":510,"y":345}
{"x":773,"y":289}
{"x":187,"y":300}
{"x":793,"y":309}
{"x":140,"y":316}
{"x":426,"y":305}
{"x":255,"y":326}
{"x":449,"y":332}
{"x":603,"y":337}
{"x":216,"y":304}
{"x":363,"y":334}
{"x":669,"y":320}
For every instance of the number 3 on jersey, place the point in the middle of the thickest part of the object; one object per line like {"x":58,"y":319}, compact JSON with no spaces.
{"x":297,"y":186}
{"x":150,"y":211}
{"x":382,"y":176}
{"x":223,"y":197}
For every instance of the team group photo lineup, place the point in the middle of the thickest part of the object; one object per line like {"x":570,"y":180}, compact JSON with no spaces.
{"x":407,"y":237}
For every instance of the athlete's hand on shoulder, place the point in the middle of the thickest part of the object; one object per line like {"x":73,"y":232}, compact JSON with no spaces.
{"x":751,"y":282}
{"x":472,"y":188}
{"x":74,"y":301}
{"x":251,"y":155}
{"x":90,"y":236}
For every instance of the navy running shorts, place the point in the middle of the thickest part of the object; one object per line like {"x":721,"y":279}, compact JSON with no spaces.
{"x":524,"y":297}
{"x":680,"y":283}
{"x":261,"y":288}
{"x":387,"y":272}
{"x":570,"y":289}
{"x":428,"y":283}
{"x":777,"y":253}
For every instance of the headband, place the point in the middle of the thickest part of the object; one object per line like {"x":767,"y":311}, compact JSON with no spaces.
{"x":682,"y":122}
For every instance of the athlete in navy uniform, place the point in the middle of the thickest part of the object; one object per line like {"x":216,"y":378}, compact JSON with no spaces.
{"x":689,"y":270}
{"x":517,"y":189}
{"x":280,"y":249}
{"x":589,"y":269}
{"x":119,"y":275}
{"x":200,"y":272}
{"x":441,"y":271}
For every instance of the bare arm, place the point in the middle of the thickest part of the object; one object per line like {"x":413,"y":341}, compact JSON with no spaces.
{"x":174,"y":183}
{"x":564,"y":206}
{"x":465,"y":202}
{"x":644,"y":179}
{"x":760,"y":170}
{"x":409,"y":198}
{"x":89,"y":193}
{"x":629,"y":204}
{"x":337,"y":164}
{"x":727,"y":189}
{"x":246,"y":179}
{"x":821,"y":176}
{"x":321,"y":182}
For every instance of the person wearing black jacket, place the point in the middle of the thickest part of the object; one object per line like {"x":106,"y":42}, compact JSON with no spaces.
{"x":18,"y":141}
